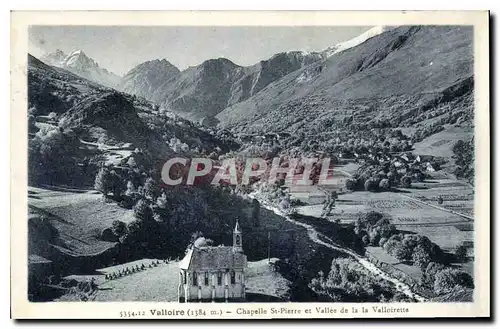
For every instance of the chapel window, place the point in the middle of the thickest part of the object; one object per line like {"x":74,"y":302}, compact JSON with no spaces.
{"x":233,"y":277}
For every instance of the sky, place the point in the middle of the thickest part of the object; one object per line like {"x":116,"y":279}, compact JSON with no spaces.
{"x":119,"y":48}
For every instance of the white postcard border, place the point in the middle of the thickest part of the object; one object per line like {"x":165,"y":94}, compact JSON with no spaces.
{"x":21,"y":308}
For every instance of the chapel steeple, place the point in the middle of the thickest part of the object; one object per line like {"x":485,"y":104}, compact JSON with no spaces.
{"x":237,"y":238}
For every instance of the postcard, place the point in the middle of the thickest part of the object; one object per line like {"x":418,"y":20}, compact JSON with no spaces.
{"x":250,"y":165}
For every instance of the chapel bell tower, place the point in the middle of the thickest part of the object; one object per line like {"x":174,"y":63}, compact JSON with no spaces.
{"x":237,"y":240}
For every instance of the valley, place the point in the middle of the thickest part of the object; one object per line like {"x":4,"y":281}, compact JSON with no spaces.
{"x":393,"y":110}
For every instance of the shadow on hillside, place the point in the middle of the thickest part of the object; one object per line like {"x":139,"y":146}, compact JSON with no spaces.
{"x":50,"y":215}
{"x":419,"y":188}
{"x":406,"y":232}
{"x":404,"y":262}
{"x":257,"y":297}
{"x":64,"y":189}
{"x":397,"y":190}
{"x":413,"y":187}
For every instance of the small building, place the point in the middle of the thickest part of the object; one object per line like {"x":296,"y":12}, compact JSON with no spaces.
{"x":424,"y":158}
{"x":209,"y":273}
{"x":429,"y":167}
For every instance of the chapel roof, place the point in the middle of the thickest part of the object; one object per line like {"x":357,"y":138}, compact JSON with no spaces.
{"x":213,"y":258}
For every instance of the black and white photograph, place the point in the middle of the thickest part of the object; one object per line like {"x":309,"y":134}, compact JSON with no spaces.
{"x":252,"y":164}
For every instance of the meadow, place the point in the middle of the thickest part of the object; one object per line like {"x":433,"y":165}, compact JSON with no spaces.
{"x":80,"y":216}
{"x":160,"y":283}
{"x":414,"y":210}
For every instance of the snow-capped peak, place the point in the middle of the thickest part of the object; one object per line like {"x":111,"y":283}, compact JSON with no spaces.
{"x":357,"y":40}
{"x":78,"y":60}
{"x":81,"y":64}
{"x":77,"y":52}
{"x":301,"y":52}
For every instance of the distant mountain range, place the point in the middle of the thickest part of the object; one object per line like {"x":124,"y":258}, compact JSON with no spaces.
{"x":201,"y":91}
{"x":427,"y":65}
{"x":396,"y":74}
{"x":204,"y":90}
{"x":79,"y":63}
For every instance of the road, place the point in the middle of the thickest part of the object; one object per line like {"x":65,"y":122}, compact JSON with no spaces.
{"x":319,"y":238}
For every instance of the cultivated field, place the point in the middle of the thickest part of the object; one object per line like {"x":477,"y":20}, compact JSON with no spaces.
{"x":458,"y":196}
{"x":415,"y":210}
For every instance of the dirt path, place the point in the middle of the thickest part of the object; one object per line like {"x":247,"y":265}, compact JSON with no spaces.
{"x":318,"y":238}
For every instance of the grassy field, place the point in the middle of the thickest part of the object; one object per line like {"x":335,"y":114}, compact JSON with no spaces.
{"x":413,"y":271}
{"x":441,"y":143}
{"x":261,"y":278}
{"x":315,"y":194}
{"x":78,"y":215}
{"x":415,"y":210}
{"x":160,"y":283}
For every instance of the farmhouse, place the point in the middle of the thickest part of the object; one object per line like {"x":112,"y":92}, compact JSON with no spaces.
{"x":429,"y":167}
{"x":213,"y":273}
{"x":424,"y":158}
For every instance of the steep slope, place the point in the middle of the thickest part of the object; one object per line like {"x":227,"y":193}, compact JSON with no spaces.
{"x":53,"y":89}
{"x":258,"y":76}
{"x":114,"y":113}
{"x":406,"y":77}
{"x":74,"y":122}
{"x":145,"y":78}
{"x":202,"y":91}
{"x":199,"y":91}
{"x":79,"y":63}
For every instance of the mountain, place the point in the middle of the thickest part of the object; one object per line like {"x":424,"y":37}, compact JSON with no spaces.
{"x":197,"y":95}
{"x":56,"y":58}
{"x":74,"y":121}
{"x":144,"y":79}
{"x":79,"y":63}
{"x":199,"y":91}
{"x":355,"y":41}
{"x":258,"y":76}
{"x":417,"y":78}
{"x":203,"y":91}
